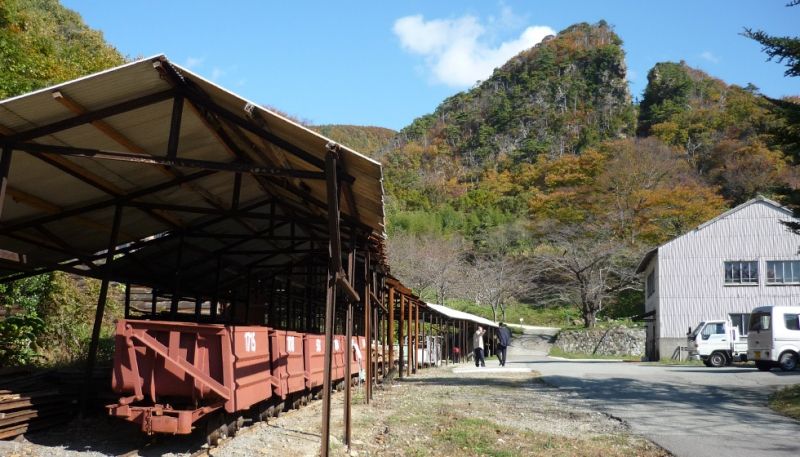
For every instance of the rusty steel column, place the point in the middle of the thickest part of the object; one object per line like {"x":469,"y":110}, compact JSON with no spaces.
{"x":348,"y":376}
{"x":334,"y":266}
{"x":384,"y":338}
{"x":91,"y":357}
{"x":375,"y":333}
{"x":390,"y":333}
{"x":410,"y":334}
{"x":5,"y":168}
{"x":400,"y":330}
{"x":416,"y":337}
{"x":367,"y":328}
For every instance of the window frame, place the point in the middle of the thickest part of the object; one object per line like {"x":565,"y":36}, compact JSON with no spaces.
{"x":743,"y":324}
{"x":650,"y":283}
{"x":737,"y":267}
{"x":794,"y":272}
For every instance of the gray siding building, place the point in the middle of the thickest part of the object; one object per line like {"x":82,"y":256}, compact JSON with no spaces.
{"x":722,"y":269}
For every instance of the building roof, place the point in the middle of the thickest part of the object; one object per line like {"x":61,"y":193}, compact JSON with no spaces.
{"x":198,"y":171}
{"x":759,"y":199}
{"x":460,"y":315}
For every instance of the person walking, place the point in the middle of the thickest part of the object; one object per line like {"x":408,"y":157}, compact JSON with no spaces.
{"x":477,"y":343}
{"x":503,"y":342}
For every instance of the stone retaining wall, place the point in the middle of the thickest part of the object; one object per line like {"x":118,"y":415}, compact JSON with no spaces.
{"x":620,"y":341}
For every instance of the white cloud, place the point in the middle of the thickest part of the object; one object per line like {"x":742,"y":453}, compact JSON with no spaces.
{"x":217,"y":73}
{"x":709,"y":56}
{"x":193,"y":62}
{"x":456,"y":51}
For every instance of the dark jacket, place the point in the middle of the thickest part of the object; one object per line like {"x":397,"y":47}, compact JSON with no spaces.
{"x":504,"y":336}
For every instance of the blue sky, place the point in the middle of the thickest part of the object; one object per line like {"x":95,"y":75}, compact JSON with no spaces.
{"x":384,"y":63}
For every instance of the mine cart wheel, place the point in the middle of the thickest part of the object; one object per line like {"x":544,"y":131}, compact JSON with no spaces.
{"x":233,"y":423}
{"x":216,"y":429}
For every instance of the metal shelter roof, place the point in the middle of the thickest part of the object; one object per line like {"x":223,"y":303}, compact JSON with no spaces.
{"x":460,"y":315}
{"x":205,"y":180}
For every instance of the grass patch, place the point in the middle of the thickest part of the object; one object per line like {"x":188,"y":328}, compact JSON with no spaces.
{"x":787,"y":401}
{"x":558,"y":352}
{"x":666,"y":361}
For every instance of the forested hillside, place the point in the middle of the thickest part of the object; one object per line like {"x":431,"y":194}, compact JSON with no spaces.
{"x":548,"y":168}
{"x":366,"y":140}
{"x":43,"y":43}
{"x":49,"y":316}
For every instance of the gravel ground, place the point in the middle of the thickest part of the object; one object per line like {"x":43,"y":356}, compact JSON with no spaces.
{"x":416,"y":416}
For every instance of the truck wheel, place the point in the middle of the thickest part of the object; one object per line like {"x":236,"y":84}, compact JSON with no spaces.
{"x":763,"y":366}
{"x":788,"y":361}
{"x":717,"y":359}
{"x":706,"y":362}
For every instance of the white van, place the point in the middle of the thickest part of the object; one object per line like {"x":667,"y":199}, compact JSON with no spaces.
{"x":774,"y":337}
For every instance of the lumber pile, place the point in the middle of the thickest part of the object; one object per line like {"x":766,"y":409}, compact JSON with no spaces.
{"x":33,"y":400}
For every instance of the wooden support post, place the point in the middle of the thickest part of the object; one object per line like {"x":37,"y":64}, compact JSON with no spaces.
{"x":5,"y":168}
{"x":91,"y":357}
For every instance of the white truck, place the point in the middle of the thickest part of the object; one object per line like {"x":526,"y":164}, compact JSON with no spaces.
{"x":774,"y":337}
{"x":717,"y":343}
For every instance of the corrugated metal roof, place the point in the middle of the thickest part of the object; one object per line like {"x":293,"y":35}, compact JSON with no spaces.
{"x":460,"y":315}
{"x":216,"y":125}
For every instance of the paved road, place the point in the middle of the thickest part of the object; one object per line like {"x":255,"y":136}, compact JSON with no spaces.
{"x":690,"y":411}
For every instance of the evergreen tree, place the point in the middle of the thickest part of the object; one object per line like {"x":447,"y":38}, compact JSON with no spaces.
{"x":785,"y":50}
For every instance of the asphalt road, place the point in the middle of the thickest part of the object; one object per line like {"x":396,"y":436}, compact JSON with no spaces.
{"x":688,"y":410}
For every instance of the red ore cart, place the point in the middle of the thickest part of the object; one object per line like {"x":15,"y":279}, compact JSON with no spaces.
{"x":173,"y":373}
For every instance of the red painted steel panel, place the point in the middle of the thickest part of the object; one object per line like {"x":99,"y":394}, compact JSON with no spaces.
{"x":251,"y":366}
{"x":337,"y":367}
{"x":314,"y":355}
{"x":287,"y":361}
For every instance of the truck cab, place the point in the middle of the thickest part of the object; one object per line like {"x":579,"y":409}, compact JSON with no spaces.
{"x":774,"y":337}
{"x":717,"y":343}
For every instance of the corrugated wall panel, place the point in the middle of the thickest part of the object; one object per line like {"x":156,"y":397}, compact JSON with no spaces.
{"x":691,"y":272}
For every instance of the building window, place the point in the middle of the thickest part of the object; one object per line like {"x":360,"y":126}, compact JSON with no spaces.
{"x":740,"y":321}
{"x":741,"y":272}
{"x":783,"y":272}
{"x":651,"y":283}
{"x":792,"y":321}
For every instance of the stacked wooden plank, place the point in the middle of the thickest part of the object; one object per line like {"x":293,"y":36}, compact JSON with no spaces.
{"x":31,"y":400}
